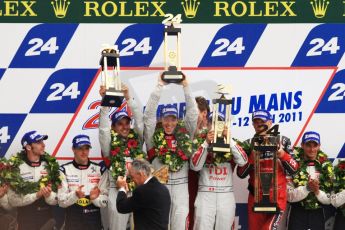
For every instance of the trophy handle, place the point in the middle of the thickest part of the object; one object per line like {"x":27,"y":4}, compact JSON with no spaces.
{"x":179,"y":52}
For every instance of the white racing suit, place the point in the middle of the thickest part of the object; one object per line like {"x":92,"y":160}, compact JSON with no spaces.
{"x":83,"y":213}
{"x":178,"y":181}
{"x":33,"y":212}
{"x":299,"y":217}
{"x":110,"y":217}
{"x":215,"y":202}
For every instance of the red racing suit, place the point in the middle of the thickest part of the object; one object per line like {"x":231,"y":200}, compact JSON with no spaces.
{"x":286,"y":166}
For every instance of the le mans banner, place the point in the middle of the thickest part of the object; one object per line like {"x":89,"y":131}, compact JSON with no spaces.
{"x":285,"y":56}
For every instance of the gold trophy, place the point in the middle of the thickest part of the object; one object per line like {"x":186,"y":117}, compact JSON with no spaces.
{"x":221,"y":143}
{"x":110,"y":76}
{"x":172,"y":54}
{"x":266,"y":180}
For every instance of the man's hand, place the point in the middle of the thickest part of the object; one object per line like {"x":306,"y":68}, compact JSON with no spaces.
{"x":160,"y":81}
{"x":3,"y":190}
{"x":225,"y":131}
{"x":121,"y":182}
{"x":210,"y":136}
{"x":79,"y":192}
{"x":102,"y":90}
{"x":184,"y":83}
{"x":280,"y":151}
{"x":125,"y":91}
{"x":94,"y":193}
{"x":46,"y":191}
{"x":313,"y":185}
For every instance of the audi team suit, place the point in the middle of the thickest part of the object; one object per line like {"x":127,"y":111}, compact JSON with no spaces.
{"x":215,"y":203}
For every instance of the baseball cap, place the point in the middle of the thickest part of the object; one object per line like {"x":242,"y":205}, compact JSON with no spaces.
{"x":119,"y":115}
{"x":81,"y":140}
{"x":311,"y":136}
{"x":261,"y":114}
{"x":32,"y":137}
{"x":169,"y":111}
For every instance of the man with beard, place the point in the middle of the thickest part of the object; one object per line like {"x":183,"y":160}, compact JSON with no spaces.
{"x":114,"y":131}
{"x":35,"y":208}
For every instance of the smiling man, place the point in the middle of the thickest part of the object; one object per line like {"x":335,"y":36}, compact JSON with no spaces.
{"x":84,"y":188}
{"x":262,"y":121}
{"x":34,"y":207}
{"x":115,"y":138}
{"x":169,"y":143}
{"x":310,"y":187}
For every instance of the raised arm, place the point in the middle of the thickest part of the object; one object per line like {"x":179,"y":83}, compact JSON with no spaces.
{"x":192,"y":112}
{"x":150,"y":119}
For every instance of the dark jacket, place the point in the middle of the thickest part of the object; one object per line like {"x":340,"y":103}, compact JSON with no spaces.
{"x":150,"y":205}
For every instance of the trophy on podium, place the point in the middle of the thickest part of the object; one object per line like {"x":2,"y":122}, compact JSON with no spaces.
{"x":220,"y":143}
{"x":172,"y":54}
{"x":110,"y":63}
{"x":266,"y":171}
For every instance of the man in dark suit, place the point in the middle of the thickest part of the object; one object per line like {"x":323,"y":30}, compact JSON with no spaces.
{"x":150,"y":202}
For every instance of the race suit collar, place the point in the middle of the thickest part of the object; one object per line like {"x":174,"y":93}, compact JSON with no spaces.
{"x":31,"y":163}
{"x":80,"y":166}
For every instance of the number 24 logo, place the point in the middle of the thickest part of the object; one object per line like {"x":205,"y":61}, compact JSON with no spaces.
{"x":39,"y":46}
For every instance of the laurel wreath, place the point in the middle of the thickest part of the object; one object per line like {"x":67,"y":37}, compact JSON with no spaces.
{"x":175,"y":159}
{"x":10,"y":174}
{"x":301,"y":177}
{"x":122,"y":148}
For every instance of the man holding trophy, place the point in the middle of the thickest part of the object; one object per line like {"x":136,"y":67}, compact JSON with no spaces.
{"x":171,"y":143}
{"x":118,"y":141}
{"x":269,"y":162}
{"x":215,"y":203}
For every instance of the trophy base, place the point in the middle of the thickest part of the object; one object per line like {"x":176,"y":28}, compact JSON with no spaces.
{"x":171,"y":76}
{"x":112,"y":98}
{"x":220,"y":148}
{"x":266,"y":208}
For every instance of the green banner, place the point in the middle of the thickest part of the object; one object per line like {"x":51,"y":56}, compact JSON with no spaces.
{"x":154,"y":11}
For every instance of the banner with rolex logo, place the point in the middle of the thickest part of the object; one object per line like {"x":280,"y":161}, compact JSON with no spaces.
{"x":284,"y":56}
{"x":153,"y":11}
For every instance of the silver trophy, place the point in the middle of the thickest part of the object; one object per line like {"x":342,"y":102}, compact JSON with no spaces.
{"x":110,"y":63}
{"x":172,"y":54}
{"x":221,"y":143}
